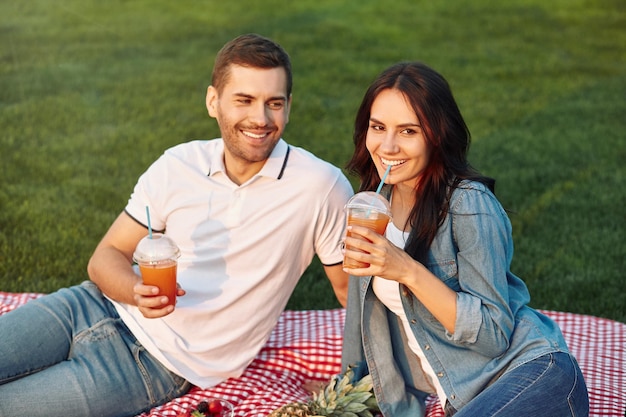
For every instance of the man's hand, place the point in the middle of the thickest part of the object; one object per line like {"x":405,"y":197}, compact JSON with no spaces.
{"x":150,"y":303}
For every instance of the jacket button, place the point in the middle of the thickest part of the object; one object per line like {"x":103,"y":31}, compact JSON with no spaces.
{"x":440,"y":374}
{"x":453,"y":396}
{"x":427,"y":347}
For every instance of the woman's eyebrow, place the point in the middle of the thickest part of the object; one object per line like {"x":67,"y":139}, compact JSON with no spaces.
{"x":408,"y":124}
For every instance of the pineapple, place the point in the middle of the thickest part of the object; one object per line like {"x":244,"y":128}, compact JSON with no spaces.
{"x":340,"y":398}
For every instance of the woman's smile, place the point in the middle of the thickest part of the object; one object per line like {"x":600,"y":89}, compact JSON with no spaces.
{"x":392,"y":162}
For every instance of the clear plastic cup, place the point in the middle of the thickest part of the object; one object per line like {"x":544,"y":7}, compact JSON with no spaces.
{"x":367,"y":209}
{"x":157,"y":257}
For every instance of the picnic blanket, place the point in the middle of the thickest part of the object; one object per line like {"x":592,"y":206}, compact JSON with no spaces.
{"x":306,"y":345}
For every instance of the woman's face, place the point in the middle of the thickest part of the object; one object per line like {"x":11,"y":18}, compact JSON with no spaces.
{"x":394,"y":137}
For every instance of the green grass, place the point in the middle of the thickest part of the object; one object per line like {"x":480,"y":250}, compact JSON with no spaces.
{"x":91,"y":93}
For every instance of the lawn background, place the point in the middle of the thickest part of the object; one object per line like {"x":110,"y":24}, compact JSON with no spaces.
{"x":92,"y":92}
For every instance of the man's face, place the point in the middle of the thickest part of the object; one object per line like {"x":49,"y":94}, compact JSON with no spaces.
{"x":252,"y":111}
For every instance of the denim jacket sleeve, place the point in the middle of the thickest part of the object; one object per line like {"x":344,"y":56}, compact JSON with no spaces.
{"x":488,"y":295}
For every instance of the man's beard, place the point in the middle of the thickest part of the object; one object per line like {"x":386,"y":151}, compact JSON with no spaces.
{"x":237,"y":146}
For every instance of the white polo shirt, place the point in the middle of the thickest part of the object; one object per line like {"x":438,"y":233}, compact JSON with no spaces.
{"x":243,"y":250}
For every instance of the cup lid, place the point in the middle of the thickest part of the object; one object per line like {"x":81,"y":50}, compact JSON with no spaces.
{"x":154,"y":249}
{"x":371,"y":200}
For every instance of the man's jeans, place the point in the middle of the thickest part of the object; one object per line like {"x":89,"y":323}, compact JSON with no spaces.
{"x":533,"y":389}
{"x":69,"y":354}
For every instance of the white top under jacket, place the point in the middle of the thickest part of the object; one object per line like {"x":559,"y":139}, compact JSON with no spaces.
{"x":388,"y":292}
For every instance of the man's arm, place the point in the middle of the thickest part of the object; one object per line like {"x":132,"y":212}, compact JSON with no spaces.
{"x":339,"y":280}
{"x":110,"y":267}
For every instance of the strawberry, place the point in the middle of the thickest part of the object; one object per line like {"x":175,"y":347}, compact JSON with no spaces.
{"x":215,"y":407}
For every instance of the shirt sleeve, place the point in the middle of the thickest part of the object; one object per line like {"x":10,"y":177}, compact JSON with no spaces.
{"x":331,"y":221}
{"x":482,"y":231}
{"x":150,"y":191}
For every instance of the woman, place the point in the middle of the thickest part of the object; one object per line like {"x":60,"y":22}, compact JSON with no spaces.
{"x":438,"y":309}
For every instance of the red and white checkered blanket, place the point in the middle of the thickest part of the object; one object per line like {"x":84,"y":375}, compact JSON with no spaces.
{"x":306,"y":345}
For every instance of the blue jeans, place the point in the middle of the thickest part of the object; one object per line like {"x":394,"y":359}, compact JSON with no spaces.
{"x":551,"y":386}
{"x":69,"y":354}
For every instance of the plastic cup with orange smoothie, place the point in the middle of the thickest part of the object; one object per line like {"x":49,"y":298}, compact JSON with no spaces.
{"x":157,"y":258}
{"x":367,"y":209}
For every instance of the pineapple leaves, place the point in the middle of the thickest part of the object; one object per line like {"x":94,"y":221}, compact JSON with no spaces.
{"x":342,"y":397}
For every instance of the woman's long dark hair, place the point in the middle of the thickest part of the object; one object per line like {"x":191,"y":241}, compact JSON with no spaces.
{"x":446,"y":135}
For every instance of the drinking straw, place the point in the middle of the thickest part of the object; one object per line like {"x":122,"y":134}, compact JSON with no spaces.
{"x":149,"y":226}
{"x":382,"y":181}
{"x":380,"y":186}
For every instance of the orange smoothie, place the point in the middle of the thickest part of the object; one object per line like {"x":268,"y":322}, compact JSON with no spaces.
{"x":376,"y":221}
{"x":162,"y":275}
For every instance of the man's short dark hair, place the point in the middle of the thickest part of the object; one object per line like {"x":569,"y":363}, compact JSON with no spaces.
{"x":250,"y":50}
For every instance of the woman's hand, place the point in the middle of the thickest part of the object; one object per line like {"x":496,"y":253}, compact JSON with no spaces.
{"x":388,"y":261}
{"x":385,"y":259}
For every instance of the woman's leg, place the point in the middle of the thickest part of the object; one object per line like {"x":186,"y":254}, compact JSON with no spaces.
{"x":551,"y":386}
{"x":104,"y":372}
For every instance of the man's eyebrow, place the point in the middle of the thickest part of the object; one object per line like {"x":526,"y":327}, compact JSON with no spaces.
{"x":275,"y":98}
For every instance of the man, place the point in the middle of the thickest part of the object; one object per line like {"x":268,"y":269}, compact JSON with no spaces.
{"x":248,"y":212}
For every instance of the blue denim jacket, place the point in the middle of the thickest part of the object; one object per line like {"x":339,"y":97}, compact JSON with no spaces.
{"x":495,"y":330}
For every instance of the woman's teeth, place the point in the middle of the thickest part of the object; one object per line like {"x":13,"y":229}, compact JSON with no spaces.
{"x":392,"y":163}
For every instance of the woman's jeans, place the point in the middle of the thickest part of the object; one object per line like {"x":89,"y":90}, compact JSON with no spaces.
{"x":69,"y":354}
{"x":551,"y":386}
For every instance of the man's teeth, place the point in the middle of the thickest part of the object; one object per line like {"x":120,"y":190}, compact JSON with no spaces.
{"x":254,"y":135}
{"x":392,"y":163}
